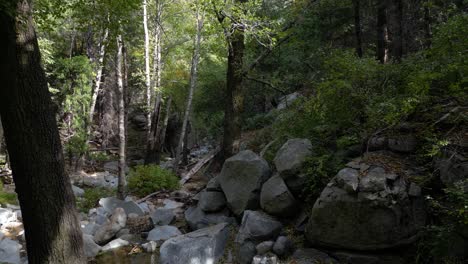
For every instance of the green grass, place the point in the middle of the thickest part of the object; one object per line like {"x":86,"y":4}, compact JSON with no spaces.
{"x":7,"y":197}
{"x":91,"y":197}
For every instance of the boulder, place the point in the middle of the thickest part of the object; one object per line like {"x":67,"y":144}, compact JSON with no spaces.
{"x":202,"y":246}
{"x":170,"y":204}
{"x":264,"y":247}
{"x":150,"y":247}
{"x":163,"y":233}
{"x":77,"y":191}
{"x":197,"y":219}
{"x":312,"y":256}
{"x":246,"y":253}
{"x":257,"y":227}
{"x":130,"y":207}
{"x":358,"y":258}
{"x":268,"y":258}
{"x":6,"y":215}
{"x":452,"y":167}
{"x":107,"y":231}
{"x":403,"y":143}
{"x":380,"y":214}
{"x":283,"y":246}
{"x":212,"y":201}
{"x":162,"y":216}
{"x":115,"y":244}
{"x":241,"y":179}
{"x":213,"y":185}
{"x":91,"y":249}
{"x":276,"y":199}
{"x":291,"y":156}
{"x":10,"y":251}
{"x":90,"y":228}
{"x":377,"y":143}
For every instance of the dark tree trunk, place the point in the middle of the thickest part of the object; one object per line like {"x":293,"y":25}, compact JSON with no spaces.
{"x":382,"y":32}
{"x":46,"y":198}
{"x":234,"y":95}
{"x":357,"y":26}
{"x":398,"y":37}
{"x":427,"y":25}
{"x":152,"y":155}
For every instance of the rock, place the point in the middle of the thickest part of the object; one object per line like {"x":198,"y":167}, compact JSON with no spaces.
{"x":312,"y":256}
{"x":213,"y":185}
{"x":452,"y":167}
{"x":276,"y":199}
{"x":10,"y":251}
{"x":264,"y":247}
{"x":291,"y":156}
{"x":122,"y":232}
{"x":241,"y":179}
{"x":197,"y":219}
{"x":77,"y":191}
{"x":107,"y":231}
{"x":91,"y":249}
{"x":265,"y":259}
{"x":349,"y":179}
{"x":90,"y":228}
{"x":162,"y":216}
{"x":381,"y":215}
{"x":115,"y":244}
{"x":140,"y":224}
{"x":212,"y":201}
{"x":403,"y":143}
{"x":377,"y":143}
{"x":283,"y":246}
{"x":246,"y":253}
{"x":163,"y":233}
{"x":144,"y":207}
{"x":287,"y":100}
{"x":170,"y":204}
{"x":150,"y":247}
{"x":357,"y":258}
{"x":6,"y":215}
{"x":202,"y":246}
{"x":257,"y":227}
{"x":110,"y":203}
{"x":414,"y":190}
{"x":113,"y":166}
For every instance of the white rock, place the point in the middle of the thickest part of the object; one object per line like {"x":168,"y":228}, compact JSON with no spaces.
{"x":10,"y":251}
{"x":114,"y":244}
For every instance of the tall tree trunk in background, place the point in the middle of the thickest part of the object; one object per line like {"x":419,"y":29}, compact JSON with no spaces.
{"x":382,"y":32}
{"x":357,"y":26}
{"x":162,"y":138}
{"x":147,"y":68}
{"x":121,"y":188}
{"x":398,"y":36}
{"x":1,"y":136}
{"x":234,"y":93}
{"x":53,"y":234}
{"x":427,"y":24}
{"x":193,"y":85}
{"x":152,"y":155}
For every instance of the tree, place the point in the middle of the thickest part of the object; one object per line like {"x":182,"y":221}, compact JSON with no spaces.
{"x":382,"y":32}
{"x":147,"y":67}
{"x":193,"y":85}
{"x":46,"y":198}
{"x":121,"y":188}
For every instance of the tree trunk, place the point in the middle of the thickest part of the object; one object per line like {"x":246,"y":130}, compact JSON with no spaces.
{"x":1,"y":136}
{"x":357,"y":26}
{"x":53,"y":234}
{"x":155,"y":129}
{"x":382,"y":32}
{"x":121,"y":188}
{"x":398,"y":38}
{"x":147,"y":68}
{"x":234,"y":94}
{"x":427,"y":25}
{"x":162,"y":138}
{"x":193,"y":85}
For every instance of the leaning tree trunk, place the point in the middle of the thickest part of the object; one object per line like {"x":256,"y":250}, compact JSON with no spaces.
{"x":147,"y":68}
{"x":234,"y":94}
{"x":382,"y":32}
{"x":53,"y":234}
{"x":193,"y":84}
{"x":121,"y":188}
{"x":357,"y":26}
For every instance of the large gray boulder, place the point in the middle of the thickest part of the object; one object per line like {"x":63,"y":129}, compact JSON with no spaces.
{"x":241,"y":178}
{"x":91,"y":249}
{"x":162,"y":216}
{"x":276,"y":199}
{"x":197,"y":219}
{"x":163,"y":233}
{"x":377,"y":214}
{"x":202,"y":246}
{"x":212,"y":201}
{"x":312,"y":256}
{"x":289,"y":161}
{"x":107,"y":231}
{"x":130,"y":207}
{"x":257,"y":227}
{"x":10,"y":251}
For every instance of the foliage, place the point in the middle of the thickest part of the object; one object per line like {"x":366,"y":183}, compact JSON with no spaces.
{"x":7,"y":197}
{"x":91,"y":197}
{"x":146,"y":179}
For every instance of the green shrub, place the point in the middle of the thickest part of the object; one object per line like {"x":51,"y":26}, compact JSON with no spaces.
{"x":146,"y":179}
{"x":91,"y":197}
{"x":7,"y":197}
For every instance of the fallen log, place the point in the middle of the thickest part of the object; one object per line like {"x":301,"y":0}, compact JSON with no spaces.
{"x":197,"y":167}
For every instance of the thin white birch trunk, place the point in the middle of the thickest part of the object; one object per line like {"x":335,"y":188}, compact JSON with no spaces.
{"x":147,"y":67}
{"x":122,"y":183}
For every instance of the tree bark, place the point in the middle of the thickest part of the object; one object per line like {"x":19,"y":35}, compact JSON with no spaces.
{"x":234,"y":93}
{"x":147,"y":68}
{"x":53,"y":234}
{"x":122,"y":183}
{"x":382,"y":32}
{"x":162,"y":138}
{"x":357,"y":26}
{"x":398,"y":37}
{"x":193,"y":85}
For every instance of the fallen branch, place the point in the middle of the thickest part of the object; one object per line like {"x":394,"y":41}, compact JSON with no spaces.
{"x":148,"y":196}
{"x":197,"y":167}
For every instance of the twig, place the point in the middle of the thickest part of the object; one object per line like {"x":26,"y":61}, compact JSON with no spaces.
{"x":148,"y":196}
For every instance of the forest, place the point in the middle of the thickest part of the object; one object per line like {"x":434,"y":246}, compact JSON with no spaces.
{"x":234,"y":131}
